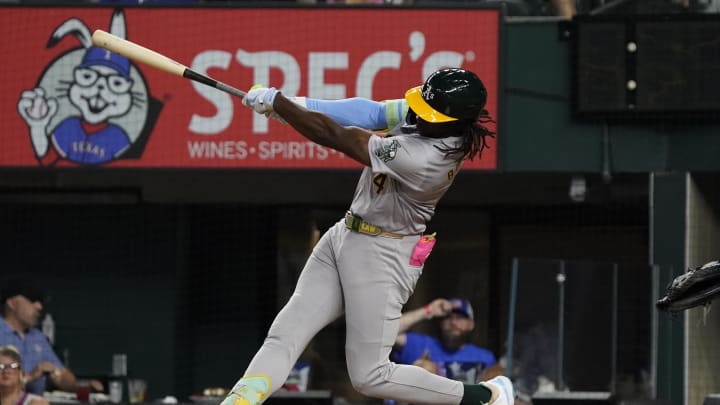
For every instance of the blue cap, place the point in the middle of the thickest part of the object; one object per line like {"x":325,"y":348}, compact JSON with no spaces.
{"x":99,"y":56}
{"x":462,"y":306}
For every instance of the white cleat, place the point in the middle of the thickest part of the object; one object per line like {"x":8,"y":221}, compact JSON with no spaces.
{"x":502,"y":390}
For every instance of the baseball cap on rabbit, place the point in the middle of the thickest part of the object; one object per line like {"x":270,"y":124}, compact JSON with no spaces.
{"x":99,"y":56}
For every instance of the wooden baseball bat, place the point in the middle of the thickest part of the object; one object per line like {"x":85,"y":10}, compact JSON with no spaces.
{"x":149,"y":57}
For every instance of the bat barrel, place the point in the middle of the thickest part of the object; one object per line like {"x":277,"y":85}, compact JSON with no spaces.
{"x":136,"y":52}
{"x":149,"y":57}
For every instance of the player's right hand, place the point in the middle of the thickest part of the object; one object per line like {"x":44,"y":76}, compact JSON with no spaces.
{"x":261,"y":99}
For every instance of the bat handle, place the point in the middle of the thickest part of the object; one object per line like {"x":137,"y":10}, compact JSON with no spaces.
{"x":230,"y":89}
{"x":193,"y":75}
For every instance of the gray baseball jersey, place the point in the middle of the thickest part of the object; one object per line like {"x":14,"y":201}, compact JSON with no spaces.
{"x":408,"y":176}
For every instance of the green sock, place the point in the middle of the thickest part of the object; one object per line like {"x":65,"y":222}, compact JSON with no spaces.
{"x":475,"y":394}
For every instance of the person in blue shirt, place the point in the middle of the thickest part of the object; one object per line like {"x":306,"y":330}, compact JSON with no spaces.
{"x":22,"y":306}
{"x":454,"y":355}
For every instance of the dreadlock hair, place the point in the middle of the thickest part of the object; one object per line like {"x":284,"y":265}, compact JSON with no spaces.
{"x":474,"y":134}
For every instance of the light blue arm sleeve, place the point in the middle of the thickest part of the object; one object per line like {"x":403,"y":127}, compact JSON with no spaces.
{"x":360,"y":112}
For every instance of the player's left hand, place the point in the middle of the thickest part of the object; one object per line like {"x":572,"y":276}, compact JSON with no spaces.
{"x":261,"y":99}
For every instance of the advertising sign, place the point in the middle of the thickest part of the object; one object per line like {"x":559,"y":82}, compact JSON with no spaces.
{"x":67,"y":103}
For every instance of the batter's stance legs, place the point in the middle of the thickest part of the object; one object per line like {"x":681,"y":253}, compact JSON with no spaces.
{"x":370,"y":284}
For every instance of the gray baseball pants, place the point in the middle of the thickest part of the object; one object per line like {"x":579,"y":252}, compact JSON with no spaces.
{"x":369,"y":278}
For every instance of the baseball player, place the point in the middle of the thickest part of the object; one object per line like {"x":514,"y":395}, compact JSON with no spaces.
{"x":367,"y":264}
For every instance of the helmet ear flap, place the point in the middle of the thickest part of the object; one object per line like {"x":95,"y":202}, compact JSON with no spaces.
{"x":411,"y":117}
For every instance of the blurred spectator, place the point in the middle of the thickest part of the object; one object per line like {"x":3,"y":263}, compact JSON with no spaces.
{"x":22,"y":306}
{"x":454,"y":355}
{"x":12,"y":380}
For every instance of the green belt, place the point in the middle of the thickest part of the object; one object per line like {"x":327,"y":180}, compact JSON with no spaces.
{"x":355,"y":223}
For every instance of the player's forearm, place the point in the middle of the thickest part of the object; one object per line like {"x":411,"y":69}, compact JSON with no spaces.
{"x":313,"y":125}
{"x":322,"y":130}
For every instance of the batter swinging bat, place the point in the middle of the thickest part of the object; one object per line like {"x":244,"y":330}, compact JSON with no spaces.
{"x":141,"y":54}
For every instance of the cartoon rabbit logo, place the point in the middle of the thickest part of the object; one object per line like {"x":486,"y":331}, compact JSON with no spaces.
{"x":90,"y":106}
